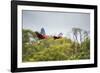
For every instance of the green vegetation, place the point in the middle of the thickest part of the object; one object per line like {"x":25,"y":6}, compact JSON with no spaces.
{"x":51,"y":49}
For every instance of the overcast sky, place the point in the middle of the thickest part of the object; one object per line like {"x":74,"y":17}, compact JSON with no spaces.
{"x":55,"y":22}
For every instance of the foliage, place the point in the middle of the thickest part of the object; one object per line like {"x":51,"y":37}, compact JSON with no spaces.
{"x":52,"y":50}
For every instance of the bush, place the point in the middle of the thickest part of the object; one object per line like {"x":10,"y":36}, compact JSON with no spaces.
{"x":53,"y":50}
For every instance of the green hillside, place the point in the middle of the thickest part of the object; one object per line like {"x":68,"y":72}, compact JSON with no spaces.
{"x":51,"y":49}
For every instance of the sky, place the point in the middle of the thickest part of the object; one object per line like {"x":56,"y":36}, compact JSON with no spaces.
{"x":55,"y":22}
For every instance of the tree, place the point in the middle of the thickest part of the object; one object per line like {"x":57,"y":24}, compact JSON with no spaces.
{"x":25,"y":36}
{"x":80,"y":33}
{"x":75,"y":37}
{"x":85,"y":35}
{"x":75,"y":34}
{"x":42,"y":31}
